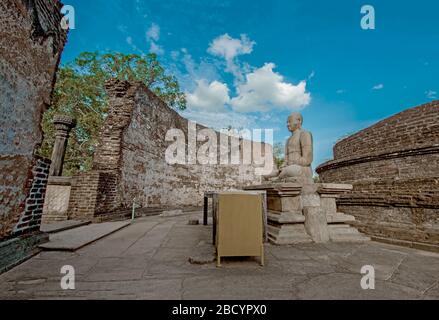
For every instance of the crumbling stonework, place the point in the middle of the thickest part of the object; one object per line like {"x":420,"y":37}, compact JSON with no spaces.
{"x":31,"y":42}
{"x":129,"y":162}
{"x":393,"y":166}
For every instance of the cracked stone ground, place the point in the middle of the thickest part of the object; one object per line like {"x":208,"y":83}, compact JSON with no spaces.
{"x":149,"y":260}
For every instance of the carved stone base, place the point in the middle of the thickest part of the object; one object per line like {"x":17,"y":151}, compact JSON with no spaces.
{"x":303,"y":213}
{"x":288,"y":234}
{"x":56,"y":201}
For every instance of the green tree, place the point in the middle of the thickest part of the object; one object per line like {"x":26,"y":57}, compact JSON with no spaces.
{"x":79,"y":92}
{"x":279,"y":154}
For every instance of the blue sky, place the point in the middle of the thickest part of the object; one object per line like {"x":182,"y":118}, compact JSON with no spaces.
{"x":250,"y":63}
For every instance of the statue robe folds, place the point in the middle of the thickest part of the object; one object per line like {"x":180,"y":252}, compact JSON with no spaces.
{"x":298,"y":156}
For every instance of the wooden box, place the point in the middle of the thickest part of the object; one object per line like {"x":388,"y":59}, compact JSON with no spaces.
{"x":239,"y":225}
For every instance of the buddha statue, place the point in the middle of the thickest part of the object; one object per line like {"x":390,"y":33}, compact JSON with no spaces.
{"x":298,"y":154}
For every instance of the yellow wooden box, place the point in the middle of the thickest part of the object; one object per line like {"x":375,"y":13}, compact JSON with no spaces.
{"x":239,"y":225}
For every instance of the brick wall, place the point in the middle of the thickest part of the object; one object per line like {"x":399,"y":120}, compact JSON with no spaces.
{"x":412,"y":128}
{"x":30,"y":220}
{"x":93,"y":194}
{"x":83,"y":195}
{"x":393,"y":166}
{"x":146,"y":176}
{"x":31,"y":207}
{"x":129,"y":161}
{"x":31,"y":42}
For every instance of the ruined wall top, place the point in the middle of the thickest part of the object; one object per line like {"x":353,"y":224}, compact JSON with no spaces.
{"x":31,"y":42}
{"x":410,"y":129}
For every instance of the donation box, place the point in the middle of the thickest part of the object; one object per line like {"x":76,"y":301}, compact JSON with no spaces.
{"x":239,"y":225}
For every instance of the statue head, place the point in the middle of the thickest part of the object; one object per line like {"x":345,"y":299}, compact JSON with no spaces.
{"x":295,"y":121}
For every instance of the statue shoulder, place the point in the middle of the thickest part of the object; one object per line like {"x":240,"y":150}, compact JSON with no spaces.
{"x":306,"y":136}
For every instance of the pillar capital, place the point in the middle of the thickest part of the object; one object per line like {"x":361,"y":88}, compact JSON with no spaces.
{"x":63,"y":125}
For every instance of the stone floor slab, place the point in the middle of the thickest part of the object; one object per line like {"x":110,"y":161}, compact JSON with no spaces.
{"x":72,"y":240}
{"x":62,"y":225}
{"x":149,"y":259}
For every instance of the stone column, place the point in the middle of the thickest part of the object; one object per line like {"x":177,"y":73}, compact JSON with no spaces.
{"x":63,"y":125}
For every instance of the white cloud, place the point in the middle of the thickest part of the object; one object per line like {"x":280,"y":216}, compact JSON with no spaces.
{"x":208,"y":97}
{"x":188,"y":71}
{"x":378,"y":87}
{"x":130,"y":42}
{"x":152,"y":36}
{"x":153,"y":33}
{"x":265,"y":90}
{"x":155,"y":48}
{"x":431,"y":94}
{"x":122,"y":28}
{"x":221,"y":120}
{"x":341,"y":91}
{"x":230,"y":48}
{"x":175,"y":55}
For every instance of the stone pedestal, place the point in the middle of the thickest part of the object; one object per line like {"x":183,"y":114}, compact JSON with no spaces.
{"x":57,"y":198}
{"x":286,"y":222}
{"x":307,"y":212}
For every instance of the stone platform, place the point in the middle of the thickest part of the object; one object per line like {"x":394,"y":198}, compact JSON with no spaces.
{"x":304,"y":213}
{"x":149,"y":259}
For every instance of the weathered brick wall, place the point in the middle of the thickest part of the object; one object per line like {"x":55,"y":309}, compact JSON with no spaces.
{"x":402,"y":165}
{"x":83,"y":195}
{"x":410,"y":129}
{"x":146,"y":176}
{"x":393,"y":166}
{"x":130,"y":163}
{"x":33,"y":208}
{"x":31,"y":41}
{"x":108,"y":155}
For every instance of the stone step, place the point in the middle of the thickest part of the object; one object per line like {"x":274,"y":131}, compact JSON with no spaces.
{"x":349,"y":238}
{"x":298,"y":239}
{"x":62,"y":225}
{"x":339,"y":218}
{"x":286,"y":229}
{"x":339,"y":230}
{"x":288,"y":234}
{"x":285,"y":217}
{"x":345,"y":233}
{"x":74,"y":239}
{"x":52,"y":218}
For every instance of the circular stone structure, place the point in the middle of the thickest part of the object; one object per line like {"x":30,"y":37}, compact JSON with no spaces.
{"x":394,"y":168}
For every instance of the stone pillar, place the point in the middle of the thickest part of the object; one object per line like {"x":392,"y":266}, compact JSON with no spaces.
{"x":63,"y":125}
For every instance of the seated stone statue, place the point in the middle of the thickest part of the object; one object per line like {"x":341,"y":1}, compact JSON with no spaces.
{"x":298,"y":154}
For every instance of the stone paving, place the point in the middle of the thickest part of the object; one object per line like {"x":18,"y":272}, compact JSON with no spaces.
{"x":149,"y":260}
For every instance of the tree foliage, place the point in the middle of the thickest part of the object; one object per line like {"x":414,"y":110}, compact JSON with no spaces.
{"x":279,"y":154}
{"x":79,"y":92}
